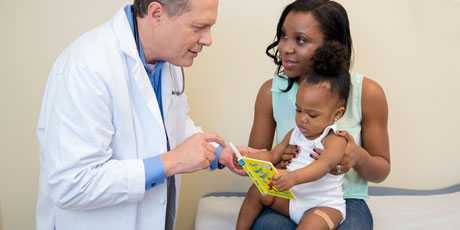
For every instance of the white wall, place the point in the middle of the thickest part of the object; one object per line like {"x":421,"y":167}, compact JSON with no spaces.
{"x":410,"y":47}
{"x":33,"y":34}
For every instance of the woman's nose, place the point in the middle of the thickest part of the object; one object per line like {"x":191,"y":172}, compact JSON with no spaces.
{"x":286,"y":47}
{"x":289,"y":49}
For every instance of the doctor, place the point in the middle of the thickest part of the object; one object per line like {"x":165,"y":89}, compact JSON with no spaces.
{"x":113,"y":128}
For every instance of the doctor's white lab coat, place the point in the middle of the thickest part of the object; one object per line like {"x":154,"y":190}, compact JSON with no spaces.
{"x":99,"y":120}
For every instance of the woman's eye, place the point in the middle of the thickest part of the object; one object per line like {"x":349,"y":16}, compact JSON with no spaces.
{"x":301,"y":40}
{"x":283,"y":35}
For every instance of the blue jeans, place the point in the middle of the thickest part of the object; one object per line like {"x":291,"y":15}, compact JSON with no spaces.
{"x":359,"y":217}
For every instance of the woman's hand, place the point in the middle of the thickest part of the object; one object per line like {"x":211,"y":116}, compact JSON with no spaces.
{"x":290,"y":153}
{"x":350,"y":157}
{"x":284,"y":180}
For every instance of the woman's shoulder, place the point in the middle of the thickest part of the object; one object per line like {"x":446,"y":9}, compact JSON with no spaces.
{"x":372,"y":89}
{"x":264,"y":96}
{"x":373,"y":97}
{"x":266,"y":87}
{"x":274,"y":84}
{"x":369,"y":88}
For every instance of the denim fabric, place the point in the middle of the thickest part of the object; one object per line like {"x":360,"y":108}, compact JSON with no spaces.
{"x":269,"y":219}
{"x":359,"y":217}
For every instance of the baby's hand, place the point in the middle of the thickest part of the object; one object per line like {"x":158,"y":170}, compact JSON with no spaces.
{"x":284,"y":180}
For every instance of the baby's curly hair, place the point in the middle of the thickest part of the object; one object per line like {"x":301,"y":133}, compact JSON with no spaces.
{"x":329,"y":63}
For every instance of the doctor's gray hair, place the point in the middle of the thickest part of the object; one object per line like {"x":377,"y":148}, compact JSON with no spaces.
{"x":173,"y":7}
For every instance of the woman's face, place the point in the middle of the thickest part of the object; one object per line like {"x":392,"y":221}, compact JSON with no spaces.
{"x":301,"y":35}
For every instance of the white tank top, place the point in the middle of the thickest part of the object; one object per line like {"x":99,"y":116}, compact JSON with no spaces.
{"x":327,"y":186}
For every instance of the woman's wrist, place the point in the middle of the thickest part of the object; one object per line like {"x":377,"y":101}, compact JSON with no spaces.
{"x":362,"y":156}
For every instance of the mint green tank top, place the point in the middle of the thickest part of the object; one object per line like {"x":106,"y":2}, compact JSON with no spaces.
{"x":284,"y":114}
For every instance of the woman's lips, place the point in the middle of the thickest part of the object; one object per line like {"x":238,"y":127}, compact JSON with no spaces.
{"x":289,"y":64}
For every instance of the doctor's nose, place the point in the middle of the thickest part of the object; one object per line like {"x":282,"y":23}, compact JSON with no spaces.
{"x":206,"y":39}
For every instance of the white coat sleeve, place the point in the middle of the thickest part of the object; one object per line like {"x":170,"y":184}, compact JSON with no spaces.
{"x":82,"y":173}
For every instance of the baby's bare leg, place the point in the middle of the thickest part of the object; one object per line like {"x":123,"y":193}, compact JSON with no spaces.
{"x":321,"y":218}
{"x":251,"y":207}
{"x":253,"y":204}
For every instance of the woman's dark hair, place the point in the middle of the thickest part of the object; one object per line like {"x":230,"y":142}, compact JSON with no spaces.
{"x":329,"y":64}
{"x":333,"y":21}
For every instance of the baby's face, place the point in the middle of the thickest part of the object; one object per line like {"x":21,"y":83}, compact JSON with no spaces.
{"x":316,"y":108}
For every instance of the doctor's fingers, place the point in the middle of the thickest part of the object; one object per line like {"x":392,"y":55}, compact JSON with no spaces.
{"x":212,"y":137}
{"x":209,"y":151}
{"x":204,"y":164}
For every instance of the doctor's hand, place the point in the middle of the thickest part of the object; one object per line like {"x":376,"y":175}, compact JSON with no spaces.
{"x":194,"y":154}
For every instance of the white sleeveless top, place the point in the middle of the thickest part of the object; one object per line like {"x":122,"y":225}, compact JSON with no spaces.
{"x":327,"y":186}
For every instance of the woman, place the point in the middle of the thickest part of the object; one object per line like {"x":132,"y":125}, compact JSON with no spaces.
{"x":304,"y":26}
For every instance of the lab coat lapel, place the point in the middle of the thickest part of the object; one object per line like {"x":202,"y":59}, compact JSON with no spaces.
{"x":136,"y":69}
{"x":166,"y":88}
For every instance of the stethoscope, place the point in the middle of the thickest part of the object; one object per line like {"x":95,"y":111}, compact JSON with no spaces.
{"x":177,"y":89}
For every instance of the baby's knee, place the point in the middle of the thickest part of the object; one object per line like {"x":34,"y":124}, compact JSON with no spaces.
{"x":267,"y":200}
{"x":254,"y":193}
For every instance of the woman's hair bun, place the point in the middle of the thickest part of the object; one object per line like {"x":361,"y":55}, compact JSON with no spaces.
{"x":330,"y":60}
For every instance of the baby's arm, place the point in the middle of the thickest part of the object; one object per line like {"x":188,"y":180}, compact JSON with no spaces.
{"x":279,"y":149}
{"x":334,"y":149}
{"x":275,"y":154}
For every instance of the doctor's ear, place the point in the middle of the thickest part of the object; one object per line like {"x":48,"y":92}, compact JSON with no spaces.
{"x":155,"y":10}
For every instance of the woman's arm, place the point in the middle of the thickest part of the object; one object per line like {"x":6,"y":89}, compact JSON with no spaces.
{"x":263,"y":127}
{"x":373,"y":163}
